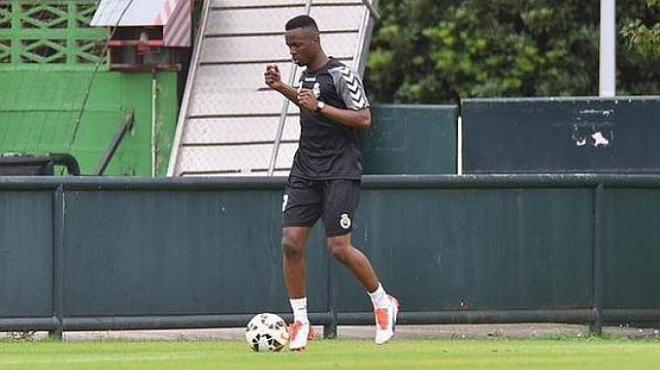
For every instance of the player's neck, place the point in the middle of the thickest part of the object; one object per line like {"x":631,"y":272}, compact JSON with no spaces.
{"x":319,"y":62}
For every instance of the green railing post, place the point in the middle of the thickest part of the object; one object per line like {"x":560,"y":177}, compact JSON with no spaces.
{"x":58,"y":262}
{"x":596,"y":327}
{"x":330,"y":329}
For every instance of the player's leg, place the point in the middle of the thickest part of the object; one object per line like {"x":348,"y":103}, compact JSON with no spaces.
{"x":340,"y":247}
{"x":300,"y":210}
{"x":386,"y":307}
{"x":340,"y":203}
{"x":294,"y":242}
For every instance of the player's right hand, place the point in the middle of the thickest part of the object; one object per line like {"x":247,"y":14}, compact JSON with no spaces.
{"x":272,"y":77}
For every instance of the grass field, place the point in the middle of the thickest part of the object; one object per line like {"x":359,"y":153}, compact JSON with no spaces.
{"x":495,"y":354}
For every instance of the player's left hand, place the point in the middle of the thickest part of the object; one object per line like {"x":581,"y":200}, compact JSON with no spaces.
{"x":307,"y":100}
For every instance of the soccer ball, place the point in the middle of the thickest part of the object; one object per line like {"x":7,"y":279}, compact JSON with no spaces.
{"x":266,"y":332}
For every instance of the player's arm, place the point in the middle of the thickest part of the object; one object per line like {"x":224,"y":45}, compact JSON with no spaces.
{"x":356,"y":118}
{"x":273,"y":79}
{"x":351,"y":90}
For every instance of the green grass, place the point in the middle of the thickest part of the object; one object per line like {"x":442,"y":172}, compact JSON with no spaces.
{"x":496,"y":354}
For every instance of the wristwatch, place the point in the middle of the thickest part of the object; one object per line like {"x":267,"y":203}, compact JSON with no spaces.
{"x":319,"y":106}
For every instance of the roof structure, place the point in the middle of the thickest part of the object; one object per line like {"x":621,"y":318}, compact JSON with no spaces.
{"x":173,"y":15}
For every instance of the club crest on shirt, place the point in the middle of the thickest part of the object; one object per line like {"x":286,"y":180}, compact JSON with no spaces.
{"x":317,"y":89}
{"x":344,"y":221}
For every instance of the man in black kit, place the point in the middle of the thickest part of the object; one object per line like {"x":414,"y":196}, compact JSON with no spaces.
{"x":325,"y":178}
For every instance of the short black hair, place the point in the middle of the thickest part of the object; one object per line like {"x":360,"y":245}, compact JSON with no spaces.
{"x":301,"y":21}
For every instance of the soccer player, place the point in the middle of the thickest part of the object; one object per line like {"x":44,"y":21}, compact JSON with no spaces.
{"x":325,"y":178}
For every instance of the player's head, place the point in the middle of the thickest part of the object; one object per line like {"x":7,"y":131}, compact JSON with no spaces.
{"x":302,"y":38}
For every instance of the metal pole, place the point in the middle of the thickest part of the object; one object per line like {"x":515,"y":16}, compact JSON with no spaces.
{"x":372,"y":11}
{"x":116,"y":140}
{"x":154,"y":112}
{"x":607,"y":77}
{"x":285,"y":109}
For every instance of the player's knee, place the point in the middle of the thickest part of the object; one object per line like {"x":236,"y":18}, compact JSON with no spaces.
{"x":292,"y":247}
{"x":339,"y":249}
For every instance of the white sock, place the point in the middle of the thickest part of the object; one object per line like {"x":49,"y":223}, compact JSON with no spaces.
{"x":299,"y":307}
{"x":379,"y":298}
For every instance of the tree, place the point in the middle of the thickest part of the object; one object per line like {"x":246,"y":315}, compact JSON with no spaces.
{"x":431,"y":51}
{"x":639,"y":47}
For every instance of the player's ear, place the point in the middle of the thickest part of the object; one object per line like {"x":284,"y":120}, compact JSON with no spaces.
{"x":313,"y":34}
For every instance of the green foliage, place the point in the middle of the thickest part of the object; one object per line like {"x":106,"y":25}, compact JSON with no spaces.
{"x":639,"y":47}
{"x":430,"y":51}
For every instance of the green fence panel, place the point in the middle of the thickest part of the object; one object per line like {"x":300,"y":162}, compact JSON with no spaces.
{"x":195,"y":252}
{"x":178,"y":252}
{"x":410,"y":139}
{"x":631,"y":249}
{"x":26,"y":250}
{"x":477,"y":249}
{"x":551,"y":135}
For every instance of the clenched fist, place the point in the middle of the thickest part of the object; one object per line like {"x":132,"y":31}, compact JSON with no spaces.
{"x":307,"y":100}
{"x":272,"y":77}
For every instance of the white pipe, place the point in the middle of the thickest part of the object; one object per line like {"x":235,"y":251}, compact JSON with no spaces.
{"x":607,"y":75}
{"x":154,"y":113}
{"x":459,"y":146}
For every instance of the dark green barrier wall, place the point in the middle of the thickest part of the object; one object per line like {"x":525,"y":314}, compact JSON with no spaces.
{"x":478,"y":249}
{"x":545,"y":135}
{"x":178,"y":252}
{"x":114,"y":253}
{"x":411,"y":139}
{"x":26,"y":249}
{"x":631,"y":242}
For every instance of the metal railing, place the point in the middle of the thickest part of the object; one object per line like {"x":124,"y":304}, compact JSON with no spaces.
{"x":596,"y":200}
{"x":285,"y":109}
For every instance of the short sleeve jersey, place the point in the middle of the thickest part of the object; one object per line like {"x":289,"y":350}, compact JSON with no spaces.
{"x":329,"y":150}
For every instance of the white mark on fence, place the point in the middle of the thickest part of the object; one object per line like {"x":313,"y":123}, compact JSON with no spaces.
{"x":605,"y":112}
{"x":599,"y":139}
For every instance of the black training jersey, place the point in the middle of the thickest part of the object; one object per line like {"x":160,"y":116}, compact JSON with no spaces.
{"x":328,"y":150}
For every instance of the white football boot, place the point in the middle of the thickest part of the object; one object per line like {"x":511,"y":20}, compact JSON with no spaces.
{"x":299,"y":333}
{"x":386,"y":321}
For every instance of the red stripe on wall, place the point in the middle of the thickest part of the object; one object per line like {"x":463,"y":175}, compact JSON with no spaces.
{"x":168,"y":10}
{"x":178,"y":30}
{"x":178,"y":19}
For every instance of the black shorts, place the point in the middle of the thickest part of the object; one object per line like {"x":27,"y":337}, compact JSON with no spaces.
{"x":335,"y":201}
